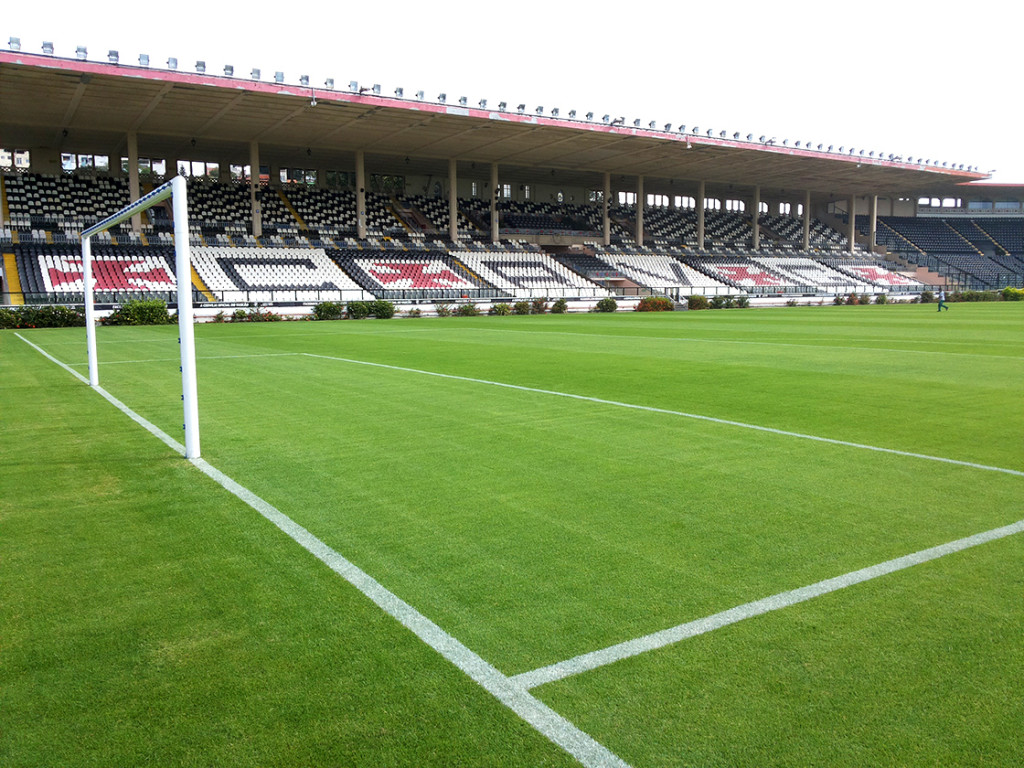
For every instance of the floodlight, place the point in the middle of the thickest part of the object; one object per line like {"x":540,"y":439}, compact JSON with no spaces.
{"x":353,"y":85}
{"x":785,"y":142}
{"x":463,"y":101}
{"x":696,"y":130}
{"x":668,"y":127}
{"x":722,"y":134}
{"x":572,"y":114}
{"x":229,"y":70}
{"x":81,"y":53}
{"x":830,"y":148}
{"x":376,"y":89}
{"x":200,"y":67}
{"x":483,"y":103}
{"x":797,"y":145}
{"x":279,"y":77}
{"x":555,"y":111}
{"x":521,"y":108}
{"x":871,"y":153}
{"x":113,"y":57}
{"x":419,"y":95}
{"x":862,"y":153}
{"x":14,"y":43}
{"x":502,"y":106}
{"x":48,"y":49}
{"x":400,"y":93}
{"x":750,"y":137}
{"x":329,"y":84}
{"x":255,"y":73}
{"x":304,"y":81}
{"x":442,"y":97}
{"x":143,"y":59}
{"x":606,"y":119}
{"x":652,"y":125}
{"x":710,"y":131}
{"x":636,"y":123}
{"x":820,"y":146}
{"x":736,"y":135}
{"x":590,"y":115}
{"x":172,"y":63}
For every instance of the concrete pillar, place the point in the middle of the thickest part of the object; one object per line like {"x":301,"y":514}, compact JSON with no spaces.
{"x":807,"y":220}
{"x":756,"y":214}
{"x":605,"y":218}
{"x":851,"y":226}
{"x":700,"y":215}
{"x":639,"y":210}
{"x":495,"y":235}
{"x":872,"y":221}
{"x":254,"y":186}
{"x":360,"y":195}
{"x":453,"y":201}
{"x":133,"y":177}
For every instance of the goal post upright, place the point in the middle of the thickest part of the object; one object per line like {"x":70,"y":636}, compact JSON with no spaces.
{"x":176,"y":190}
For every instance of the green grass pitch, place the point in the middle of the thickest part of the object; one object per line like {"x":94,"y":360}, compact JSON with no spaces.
{"x":148,"y":617}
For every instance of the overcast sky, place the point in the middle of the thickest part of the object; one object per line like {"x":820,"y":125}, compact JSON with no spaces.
{"x":929,"y":80}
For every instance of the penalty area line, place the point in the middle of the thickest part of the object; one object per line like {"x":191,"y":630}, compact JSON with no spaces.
{"x":542,"y":718}
{"x":605,"y":656}
{"x":684,"y":414}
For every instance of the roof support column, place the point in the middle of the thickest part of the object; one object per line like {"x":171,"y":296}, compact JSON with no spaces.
{"x":755,"y":214}
{"x":360,"y":195}
{"x":133,"y":177}
{"x":606,"y":221}
{"x":254,"y":185}
{"x":700,"y":215}
{"x":872,"y":221}
{"x":640,"y":210}
{"x":807,"y":220}
{"x":495,"y":236}
{"x":851,"y":224}
{"x":453,"y":201}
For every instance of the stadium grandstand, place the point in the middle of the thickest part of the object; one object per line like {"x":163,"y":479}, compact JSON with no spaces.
{"x":299,"y":195}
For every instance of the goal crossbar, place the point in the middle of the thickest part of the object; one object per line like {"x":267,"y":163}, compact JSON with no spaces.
{"x":175,"y":189}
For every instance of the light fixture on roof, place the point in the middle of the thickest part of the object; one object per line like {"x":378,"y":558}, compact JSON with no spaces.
{"x":797,"y":145}
{"x":871,"y":153}
{"x":229,"y":70}
{"x":48,"y":48}
{"x":696,"y":130}
{"x":353,"y":85}
{"x":502,"y":106}
{"x":482,"y":103}
{"x":143,"y":59}
{"x":652,"y":125}
{"x":619,"y":120}
{"x":400,"y":93}
{"x":172,"y":63}
{"x":420,"y":95}
{"x":521,"y":108}
{"x":722,"y":135}
{"x":14,"y":43}
{"x":636,"y":123}
{"x":376,"y":89}
{"x":255,"y":73}
{"x":572,"y":114}
{"x":736,"y":135}
{"x":555,"y":111}
{"x":442,"y":97}
{"x":785,"y":142}
{"x":606,"y":119}
{"x":200,"y":67}
{"x":329,"y":84}
{"x":304,"y":81}
{"x":590,"y":115}
{"x":821,"y":145}
{"x":113,"y":57}
{"x":750,"y":137}
{"x":279,"y":77}
{"x":463,"y":101}
{"x":710,"y":131}
{"x":81,"y":53}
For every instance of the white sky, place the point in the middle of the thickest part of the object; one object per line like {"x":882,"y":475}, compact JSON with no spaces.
{"x":939,"y":81}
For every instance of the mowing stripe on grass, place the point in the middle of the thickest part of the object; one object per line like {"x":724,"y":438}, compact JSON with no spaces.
{"x":178,"y":359}
{"x":699,"y":417}
{"x":588,"y":661}
{"x":540,"y":716}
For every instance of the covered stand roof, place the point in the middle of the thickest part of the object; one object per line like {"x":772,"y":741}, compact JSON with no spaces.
{"x":81,"y":106}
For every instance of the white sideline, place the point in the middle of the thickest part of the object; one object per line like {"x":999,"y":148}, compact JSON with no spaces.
{"x":587,"y":750}
{"x":652,"y":409}
{"x":588,"y":661}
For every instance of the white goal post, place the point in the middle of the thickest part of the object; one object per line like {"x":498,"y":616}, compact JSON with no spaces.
{"x":176,"y":190}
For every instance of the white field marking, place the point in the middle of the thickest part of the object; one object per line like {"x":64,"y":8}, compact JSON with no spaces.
{"x":556,"y":728}
{"x":635,"y":647}
{"x":178,"y":359}
{"x":652,"y":409}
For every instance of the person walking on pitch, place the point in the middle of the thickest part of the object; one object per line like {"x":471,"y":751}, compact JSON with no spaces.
{"x":942,"y":301}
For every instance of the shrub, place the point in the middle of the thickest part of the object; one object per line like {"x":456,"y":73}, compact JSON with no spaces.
{"x":140,"y":312}
{"x":414,"y":312}
{"x":258,"y":315}
{"x":607,"y":304}
{"x":743,"y":302}
{"x":655,"y":304}
{"x":839,"y":300}
{"x":357,"y":310}
{"x":500,"y":309}
{"x":1013,"y":294}
{"x":974,"y":296}
{"x":521,"y":307}
{"x":468,"y":310}
{"x":329,"y":310}
{"x":927,"y":297}
{"x":791,"y":302}
{"x":864,"y":299}
{"x":722,"y":302}
{"x":539,"y":305}
{"x":560,"y":307}
{"x":443,"y":309}
{"x":698,"y":302}
{"x":219,"y":317}
{"x":381,"y":309}
{"x":851,"y":299}
{"x":881,"y":299}
{"x":42,"y":317}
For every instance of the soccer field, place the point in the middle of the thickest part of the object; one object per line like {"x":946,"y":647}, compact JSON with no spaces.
{"x":731,"y":538}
